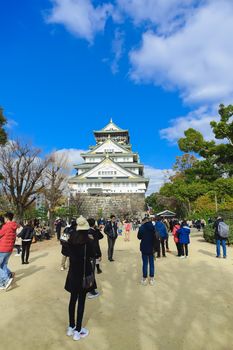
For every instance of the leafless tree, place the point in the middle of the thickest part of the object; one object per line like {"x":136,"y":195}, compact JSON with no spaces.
{"x":55,"y":179}
{"x":22,"y":170}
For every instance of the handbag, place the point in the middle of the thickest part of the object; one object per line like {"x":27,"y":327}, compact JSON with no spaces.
{"x":88,"y":281}
{"x":64,"y":237}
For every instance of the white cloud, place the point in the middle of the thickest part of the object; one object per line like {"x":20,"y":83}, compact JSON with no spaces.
{"x":73,"y":156}
{"x":199,"y":120}
{"x":80,"y":17}
{"x":157,"y":178}
{"x":117,"y":49}
{"x":167,"y":15}
{"x":11,"y":123}
{"x":196,"y":59}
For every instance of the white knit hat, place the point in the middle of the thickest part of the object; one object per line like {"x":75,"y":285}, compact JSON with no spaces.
{"x":82,"y":223}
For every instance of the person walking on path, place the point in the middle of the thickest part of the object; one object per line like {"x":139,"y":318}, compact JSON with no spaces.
{"x":183,"y":234}
{"x":7,"y":241}
{"x":220,"y":240}
{"x":111,"y":231}
{"x":26,"y":235}
{"x":95,"y":234}
{"x":162,"y":230}
{"x":80,"y":253}
{"x":146,"y":235}
{"x":176,"y":237}
{"x":64,"y":250}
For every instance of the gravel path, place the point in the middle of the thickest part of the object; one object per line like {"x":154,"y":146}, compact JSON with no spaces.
{"x":189,"y":308}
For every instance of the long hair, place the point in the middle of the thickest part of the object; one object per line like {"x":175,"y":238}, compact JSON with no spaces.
{"x":79,"y":237}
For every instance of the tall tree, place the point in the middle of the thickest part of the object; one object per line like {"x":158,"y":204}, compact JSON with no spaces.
{"x":55,"y":178}
{"x":3,"y":135}
{"x":219,"y":155}
{"x":22,"y":170}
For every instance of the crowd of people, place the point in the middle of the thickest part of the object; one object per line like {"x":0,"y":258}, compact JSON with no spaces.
{"x":81,"y":252}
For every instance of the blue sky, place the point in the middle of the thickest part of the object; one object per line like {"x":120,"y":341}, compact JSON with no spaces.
{"x":156,"y":67}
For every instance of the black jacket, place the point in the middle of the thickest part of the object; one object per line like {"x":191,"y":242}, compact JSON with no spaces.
{"x":147,"y":235}
{"x":26,"y":233}
{"x":97,"y":235}
{"x":75,"y":275}
{"x":111,"y":230}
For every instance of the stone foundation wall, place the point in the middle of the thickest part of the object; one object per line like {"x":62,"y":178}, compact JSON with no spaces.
{"x":121,"y":205}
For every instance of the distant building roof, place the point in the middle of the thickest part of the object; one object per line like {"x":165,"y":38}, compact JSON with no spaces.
{"x":166,"y":213}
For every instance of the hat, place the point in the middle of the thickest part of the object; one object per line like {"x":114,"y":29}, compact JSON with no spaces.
{"x":82,"y":223}
{"x":219,"y":217}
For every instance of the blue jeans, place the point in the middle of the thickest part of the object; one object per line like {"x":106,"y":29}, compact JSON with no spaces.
{"x":218,"y":244}
{"x":5,"y":273}
{"x":145,"y":260}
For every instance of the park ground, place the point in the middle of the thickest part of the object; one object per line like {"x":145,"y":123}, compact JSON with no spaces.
{"x":189,"y":307}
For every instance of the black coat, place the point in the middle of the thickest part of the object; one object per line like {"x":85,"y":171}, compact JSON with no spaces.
{"x":26,"y":233}
{"x":111,"y":230}
{"x":97,"y":235}
{"x":147,"y":235}
{"x":75,"y":274}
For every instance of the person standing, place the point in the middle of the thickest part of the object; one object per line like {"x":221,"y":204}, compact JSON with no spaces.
{"x":127,"y":229}
{"x":95,"y":235}
{"x":220,"y":240}
{"x":146,"y":234}
{"x":176,"y":227}
{"x":58,"y":228}
{"x":26,"y":235}
{"x":7,"y":241}
{"x":18,"y":240}
{"x":80,"y":253}
{"x":64,"y":250}
{"x":111,"y":231}
{"x":161,"y":229}
{"x":183,"y":234}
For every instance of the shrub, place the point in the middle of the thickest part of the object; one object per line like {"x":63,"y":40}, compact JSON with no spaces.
{"x":208,"y":233}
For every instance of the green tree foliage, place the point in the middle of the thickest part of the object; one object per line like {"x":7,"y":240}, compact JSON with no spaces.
{"x":218,"y":155}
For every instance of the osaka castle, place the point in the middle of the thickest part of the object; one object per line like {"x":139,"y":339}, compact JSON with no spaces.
{"x":110,"y":167}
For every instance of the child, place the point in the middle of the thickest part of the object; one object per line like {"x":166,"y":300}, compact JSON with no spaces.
{"x":183,"y":234}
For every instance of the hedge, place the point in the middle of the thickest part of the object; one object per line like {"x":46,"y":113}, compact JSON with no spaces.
{"x":208,"y":233}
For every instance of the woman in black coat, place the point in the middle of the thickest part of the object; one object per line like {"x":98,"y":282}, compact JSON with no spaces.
{"x":79,"y":246}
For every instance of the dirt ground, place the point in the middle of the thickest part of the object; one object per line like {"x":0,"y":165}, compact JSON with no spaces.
{"x":189,"y":308}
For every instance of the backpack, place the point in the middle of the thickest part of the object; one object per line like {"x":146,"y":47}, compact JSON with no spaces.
{"x":223,"y":230}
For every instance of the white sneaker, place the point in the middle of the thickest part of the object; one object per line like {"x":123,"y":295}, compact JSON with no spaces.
{"x":152,"y":281}
{"x":70,"y":331}
{"x":144,"y":281}
{"x":17,"y":254}
{"x":93,"y":295}
{"x":76,"y":335}
{"x":84,"y":332}
{"x":182,"y":257}
{"x":62,"y":269}
{"x":9,"y":283}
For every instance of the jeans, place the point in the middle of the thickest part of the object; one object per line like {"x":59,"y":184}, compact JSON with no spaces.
{"x":5,"y":273}
{"x":111,"y":243}
{"x":218,"y":244}
{"x":145,"y":260}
